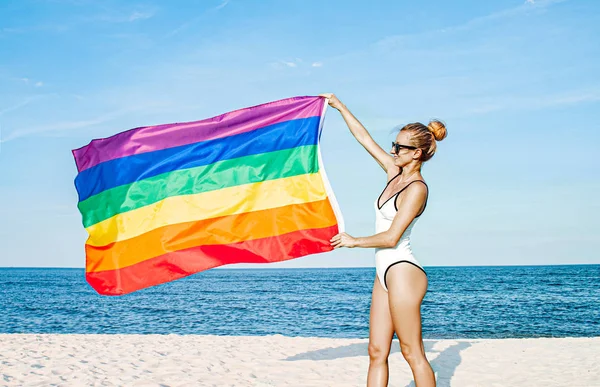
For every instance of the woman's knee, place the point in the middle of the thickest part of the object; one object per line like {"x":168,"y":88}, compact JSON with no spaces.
{"x":413,"y":354}
{"x":378,"y":353}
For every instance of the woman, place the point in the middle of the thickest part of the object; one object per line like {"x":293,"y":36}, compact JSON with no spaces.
{"x":401,"y":282}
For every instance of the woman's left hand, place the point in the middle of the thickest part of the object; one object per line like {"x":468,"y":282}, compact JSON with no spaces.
{"x":343,"y":240}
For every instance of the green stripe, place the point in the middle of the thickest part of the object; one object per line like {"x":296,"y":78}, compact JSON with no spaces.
{"x":222,"y":174}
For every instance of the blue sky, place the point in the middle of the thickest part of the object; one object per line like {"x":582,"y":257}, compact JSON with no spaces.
{"x":517,"y":83}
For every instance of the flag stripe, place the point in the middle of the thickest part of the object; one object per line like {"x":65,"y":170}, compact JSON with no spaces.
{"x":222,"y":174}
{"x":126,"y":170}
{"x":248,"y":226}
{"x":206,"y":205}
{"x":153,"y":138}
{"x":179,"y":264}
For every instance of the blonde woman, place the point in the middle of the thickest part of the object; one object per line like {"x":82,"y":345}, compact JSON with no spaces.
{"x":401,"y":282}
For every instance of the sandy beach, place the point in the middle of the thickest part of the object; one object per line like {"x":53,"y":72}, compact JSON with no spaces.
{"x":174,"y":360}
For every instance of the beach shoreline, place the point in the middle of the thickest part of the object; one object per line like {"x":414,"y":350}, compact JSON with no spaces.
{"x":276,"y":360}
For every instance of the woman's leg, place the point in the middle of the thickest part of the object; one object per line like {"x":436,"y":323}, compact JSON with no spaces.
{"x":407,"y":286}
{"x":381,"y":332}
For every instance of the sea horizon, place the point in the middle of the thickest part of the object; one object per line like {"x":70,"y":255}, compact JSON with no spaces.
{"x":470,"y":302}
{"x":319,"y":267}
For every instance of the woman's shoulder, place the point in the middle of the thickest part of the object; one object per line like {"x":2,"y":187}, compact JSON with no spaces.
{"x":416,"y":186}
{"x":415,"y":192}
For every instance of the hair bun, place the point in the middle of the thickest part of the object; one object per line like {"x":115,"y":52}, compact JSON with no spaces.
{"x":438,"y":129}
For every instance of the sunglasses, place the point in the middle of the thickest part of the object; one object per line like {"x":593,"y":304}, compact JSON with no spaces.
{"x":397,"y":147}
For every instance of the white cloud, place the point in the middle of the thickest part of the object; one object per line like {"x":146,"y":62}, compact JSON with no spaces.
{"x":124,"y":17}
{"x":19,"y":133}
{"x":16,"y":106}
{"x":29,"y":81}
{"x":296,"y":63}
{"x":197,"y":18}
{"x":41,"y":27}
{"x":114,"y":16}
{"x":391,"y":42}
{"x":140,"y":16}
{"x":222,"y":5}
{"x":24,"y":103}
{"x":287,"y":63}
{"x":56,"y":128}
{"x":572,"y":97}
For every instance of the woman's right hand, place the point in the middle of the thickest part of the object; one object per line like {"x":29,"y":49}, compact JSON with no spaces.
{"x":333,"y":101}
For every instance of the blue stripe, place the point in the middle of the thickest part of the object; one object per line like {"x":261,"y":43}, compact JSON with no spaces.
{"x":126,"y":170}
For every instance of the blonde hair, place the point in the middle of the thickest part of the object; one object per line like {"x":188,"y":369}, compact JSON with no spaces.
{"x":426,"y":137}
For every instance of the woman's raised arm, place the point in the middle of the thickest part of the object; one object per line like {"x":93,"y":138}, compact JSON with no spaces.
{"x":385,"y":160}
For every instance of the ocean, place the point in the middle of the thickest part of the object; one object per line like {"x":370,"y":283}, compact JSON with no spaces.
{"x":461,"y":302}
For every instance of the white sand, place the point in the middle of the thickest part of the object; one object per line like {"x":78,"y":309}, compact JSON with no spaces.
{"x":172,"y":360}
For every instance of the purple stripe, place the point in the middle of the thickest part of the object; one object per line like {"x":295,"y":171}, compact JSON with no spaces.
{"x":153,"y":138}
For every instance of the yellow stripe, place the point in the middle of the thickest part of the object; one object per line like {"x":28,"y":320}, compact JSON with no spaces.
{"x":206,"y":205}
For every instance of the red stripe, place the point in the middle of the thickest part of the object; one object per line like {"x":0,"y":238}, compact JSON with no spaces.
{"x":179,"y":264}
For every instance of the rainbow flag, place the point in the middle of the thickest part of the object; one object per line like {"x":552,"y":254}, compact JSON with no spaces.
{"x":163,"y":202}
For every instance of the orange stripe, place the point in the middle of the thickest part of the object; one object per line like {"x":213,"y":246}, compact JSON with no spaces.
{"x":181,"y":263}
{"x":215,"y":231}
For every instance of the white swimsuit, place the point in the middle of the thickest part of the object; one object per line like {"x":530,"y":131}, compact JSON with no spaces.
{"x":402,"y":252}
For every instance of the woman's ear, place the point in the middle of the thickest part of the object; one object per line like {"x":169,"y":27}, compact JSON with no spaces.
{"x":418,"y":154}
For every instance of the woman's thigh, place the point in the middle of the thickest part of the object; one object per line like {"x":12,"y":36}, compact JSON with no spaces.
{"x":407,"y":286}
{"x":381,"y":328}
